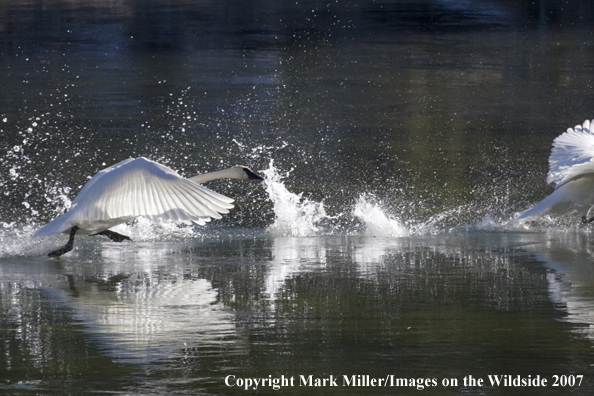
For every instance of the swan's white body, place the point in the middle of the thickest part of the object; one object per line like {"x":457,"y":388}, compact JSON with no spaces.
{"x":141,"y":187}
{"x":571,"y":169}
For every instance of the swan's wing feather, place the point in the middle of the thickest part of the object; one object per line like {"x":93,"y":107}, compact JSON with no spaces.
{"x":572,"y":155}
{"x":66,"y":221}
{"x":182,"y":201}
{"x":88,"y":186}
{"x":146,"y":188}
{"x":139,"y":187}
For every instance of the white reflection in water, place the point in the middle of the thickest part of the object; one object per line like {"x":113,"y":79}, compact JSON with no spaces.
{"x":292,"y":256}
{"x":145,"y":321}
{"x":570,"y":257}
{"x":369,"y":252}
{"x":488,"y":257}
{"x":142,"y":306}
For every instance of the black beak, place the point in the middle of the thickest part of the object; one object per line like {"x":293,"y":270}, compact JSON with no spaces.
{"x":252,"y":175}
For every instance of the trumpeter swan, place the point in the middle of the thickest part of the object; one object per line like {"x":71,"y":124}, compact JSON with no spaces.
{"x":140,"y":187}
{"x":571,"y":169}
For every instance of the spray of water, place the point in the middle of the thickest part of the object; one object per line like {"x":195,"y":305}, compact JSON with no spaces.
{"x":299,"y":216}
{"x":142,"y":229}
{"x":293,"y":215}
{"x":376,"y":220}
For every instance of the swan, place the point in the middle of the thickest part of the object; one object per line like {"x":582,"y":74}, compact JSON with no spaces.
{"x":571,"y":170}
{"x":140,"y":187}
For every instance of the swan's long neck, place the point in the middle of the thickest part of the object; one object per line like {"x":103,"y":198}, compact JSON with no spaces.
{"x":205,"y":177}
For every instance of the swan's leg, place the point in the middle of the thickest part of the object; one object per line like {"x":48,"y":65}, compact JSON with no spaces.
{"x":114,"y":236}
{"x":66,"y":248}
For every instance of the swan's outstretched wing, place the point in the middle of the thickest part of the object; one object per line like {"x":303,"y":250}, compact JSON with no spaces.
{"x":572,"y":155}
{"x":138,"y":187}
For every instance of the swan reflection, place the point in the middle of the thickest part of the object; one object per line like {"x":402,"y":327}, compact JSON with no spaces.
{"x":147,"y":319}
{"x":170,"y":300}
{"x":569,"y":257}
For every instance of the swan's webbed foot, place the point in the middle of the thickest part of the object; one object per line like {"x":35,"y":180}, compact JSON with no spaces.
{"x":585,"y":220}
{"x":114,"y":236}
{"x":66,"y":248}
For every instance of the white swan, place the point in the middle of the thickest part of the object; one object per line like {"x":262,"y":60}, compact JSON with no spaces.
{"x":571,"y":169}
{"x":140,"y":187}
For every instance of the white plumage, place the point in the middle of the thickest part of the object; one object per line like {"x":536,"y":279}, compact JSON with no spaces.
{"x":141,"y":187}
{"x":571,"y":170}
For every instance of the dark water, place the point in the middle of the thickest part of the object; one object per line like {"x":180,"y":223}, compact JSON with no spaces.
{"x":398,"y":141}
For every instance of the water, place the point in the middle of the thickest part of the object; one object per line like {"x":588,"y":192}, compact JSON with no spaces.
{"x":398,"y":142}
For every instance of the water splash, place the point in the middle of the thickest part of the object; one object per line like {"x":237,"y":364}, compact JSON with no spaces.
{"x":293,"y":214}
{"x":142,"y":230}
{"x":376,"y":220}
{"x":15,"y":240}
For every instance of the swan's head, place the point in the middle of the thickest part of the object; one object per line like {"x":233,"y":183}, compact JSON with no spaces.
{"x":244,"y":173}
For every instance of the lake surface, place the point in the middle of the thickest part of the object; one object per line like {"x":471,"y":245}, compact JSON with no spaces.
{"x":398,"y":142}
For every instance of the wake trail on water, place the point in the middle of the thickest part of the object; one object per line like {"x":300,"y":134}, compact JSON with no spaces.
{"x":297,"y":216}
